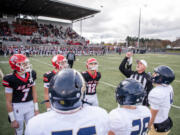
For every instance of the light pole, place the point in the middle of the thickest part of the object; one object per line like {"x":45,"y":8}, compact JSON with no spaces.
{"x":139,"y":29}
{"x":80,"y":21}
{"x":81,"y":27}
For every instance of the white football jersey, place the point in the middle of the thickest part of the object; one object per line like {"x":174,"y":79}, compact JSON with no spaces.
{"x":90,"y":120}
{"x":130,"y":121}
{"x":160,"y":98}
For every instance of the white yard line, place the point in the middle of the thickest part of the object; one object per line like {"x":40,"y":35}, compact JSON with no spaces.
{"x":111,"y":85}
{"x":1,"y":74}
{"x":42,"y":62}
{"x":177,"y":81}
{"x":175,"y":106}
{"x":4,"y":62}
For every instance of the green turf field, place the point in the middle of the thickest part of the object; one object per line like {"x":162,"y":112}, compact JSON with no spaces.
{"x":111,"y":76}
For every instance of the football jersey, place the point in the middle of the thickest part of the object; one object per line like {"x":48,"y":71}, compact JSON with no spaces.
{"x":47,"y":77}
{"x":22,"y":87}
{"x":130,"y":121}
{"x":90,"y":120}
{"x":160,"y":98}
{"x":91,"y":82}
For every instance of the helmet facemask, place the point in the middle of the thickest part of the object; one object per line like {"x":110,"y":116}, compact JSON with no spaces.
{"x":24,"y":67}
{"x":62,"y":64}
{"x":93,"y":66}
{"x":163,"y":75}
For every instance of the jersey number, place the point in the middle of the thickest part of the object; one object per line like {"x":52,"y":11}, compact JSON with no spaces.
{"x":25,"y":91}
{"x":142,"y":126}
{"x":82,"y":131}
{"x":91,"y":88}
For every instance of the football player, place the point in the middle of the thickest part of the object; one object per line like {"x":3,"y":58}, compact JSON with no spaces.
{"x":92,"y":77}
{"x":59,"y":62}
{"x":160,"y":100}
{"x":130,"y":117}
{"x":20,"y":91}
{"x":68,"y":116}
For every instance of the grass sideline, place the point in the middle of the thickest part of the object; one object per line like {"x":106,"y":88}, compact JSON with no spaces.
{"x":111,"y":76}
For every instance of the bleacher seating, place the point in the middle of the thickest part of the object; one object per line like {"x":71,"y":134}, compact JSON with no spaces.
{"x":32,"y":32}
{"x":4,"y":29}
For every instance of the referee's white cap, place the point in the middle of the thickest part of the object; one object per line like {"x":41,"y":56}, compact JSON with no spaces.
{"x":143,"y":62}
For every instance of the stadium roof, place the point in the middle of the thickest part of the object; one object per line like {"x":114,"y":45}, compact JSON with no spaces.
{"x":47,"y":8}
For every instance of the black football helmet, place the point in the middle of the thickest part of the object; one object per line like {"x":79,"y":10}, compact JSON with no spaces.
{"x":163,"y":75}
{"x":129,"y":92}
{"x":66,"y":90}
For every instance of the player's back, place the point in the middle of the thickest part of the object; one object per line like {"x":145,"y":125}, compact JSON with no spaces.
{"x":129,"y":121}
{"x":89,"y":120}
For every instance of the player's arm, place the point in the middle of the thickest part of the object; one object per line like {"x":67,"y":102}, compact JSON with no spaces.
{"x":46,"y":91}
{"x":14,"y":123}
{"x":122,"y":67}
{"x":111,"y":133}
{"x":155,"y":100}
{"x":46,"y":98}
{"x":153,"y":113}
{"x":35,"y":100}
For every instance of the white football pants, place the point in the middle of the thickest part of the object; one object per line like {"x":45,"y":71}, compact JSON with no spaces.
{"x":23,"y":112}
{"x":92,"y":99}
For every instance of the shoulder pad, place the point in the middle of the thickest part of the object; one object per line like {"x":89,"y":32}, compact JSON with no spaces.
{"x":155,"y":97}
{"x":47,"y":76}
{"x":34,"y":74}
{"x":7,"y":80}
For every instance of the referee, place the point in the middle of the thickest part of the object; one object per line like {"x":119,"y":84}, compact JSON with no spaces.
{"x":139,"y":75}
{"x":71,"y":57}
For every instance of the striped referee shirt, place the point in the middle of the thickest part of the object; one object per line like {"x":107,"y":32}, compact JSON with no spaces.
{"x":143,"y":77}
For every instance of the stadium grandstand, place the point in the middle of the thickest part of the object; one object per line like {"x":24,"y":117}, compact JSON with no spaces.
{"x":20,"y":25}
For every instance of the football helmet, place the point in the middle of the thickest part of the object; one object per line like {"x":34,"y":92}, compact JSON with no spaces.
{"x":92,"y":64}
{"x":59,"y":62}
{"x":163,"y":75}
{"x":129,"y":92}
{"x":66,"y":90}
{"x":20,"y":63}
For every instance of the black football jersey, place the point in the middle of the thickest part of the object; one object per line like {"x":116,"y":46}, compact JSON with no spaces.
{"x":47,"y":76}
{"x":91,"y":82}
{"x":22,"y":87}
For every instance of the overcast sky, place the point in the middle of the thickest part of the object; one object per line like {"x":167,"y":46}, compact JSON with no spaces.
{"x":119,"y":18}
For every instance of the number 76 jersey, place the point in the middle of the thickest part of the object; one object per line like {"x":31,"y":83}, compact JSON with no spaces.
{"x":89,"y":120}
{"x":130,"y":121}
